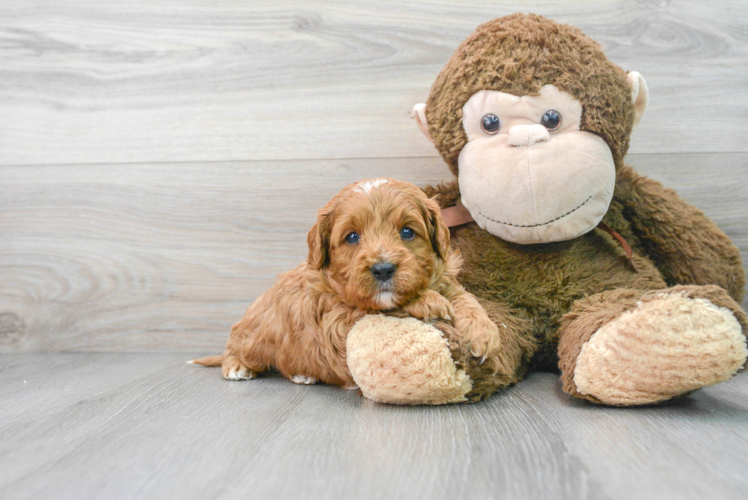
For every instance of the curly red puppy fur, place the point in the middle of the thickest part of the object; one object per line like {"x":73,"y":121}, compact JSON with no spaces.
{"x":379,"y":246}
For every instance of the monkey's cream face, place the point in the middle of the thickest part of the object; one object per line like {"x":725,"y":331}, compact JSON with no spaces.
{"x":528,"y":174}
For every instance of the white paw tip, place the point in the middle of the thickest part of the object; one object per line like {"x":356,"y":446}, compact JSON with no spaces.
{"x":303,"y":379}
{"x":190,"y":362}
{"x":243,"y":374}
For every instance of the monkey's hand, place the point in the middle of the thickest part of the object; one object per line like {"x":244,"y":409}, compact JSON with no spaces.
{"x":429,"y":306}
{"x":477,"y":331}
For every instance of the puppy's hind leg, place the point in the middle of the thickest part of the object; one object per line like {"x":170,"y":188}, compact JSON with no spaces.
{"x":303,"y":380}
{"x":233,"y":369}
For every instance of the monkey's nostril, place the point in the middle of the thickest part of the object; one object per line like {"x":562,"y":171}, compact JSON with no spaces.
{"x":383,"y":271}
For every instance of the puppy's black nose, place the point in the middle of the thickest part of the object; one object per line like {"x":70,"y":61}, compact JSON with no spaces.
{"x":383,"y":271}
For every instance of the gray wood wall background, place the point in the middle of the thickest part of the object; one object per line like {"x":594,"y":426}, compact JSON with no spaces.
{"x":161,"y":162}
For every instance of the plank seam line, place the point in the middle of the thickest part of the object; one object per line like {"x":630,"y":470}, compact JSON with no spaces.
{"x":280,"y":160}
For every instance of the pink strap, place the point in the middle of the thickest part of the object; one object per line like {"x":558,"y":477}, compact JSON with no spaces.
{"x":456,"y":215}
{"x":622,"y":241}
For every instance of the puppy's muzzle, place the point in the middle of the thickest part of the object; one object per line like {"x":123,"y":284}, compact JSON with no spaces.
{"x":383,"y":271}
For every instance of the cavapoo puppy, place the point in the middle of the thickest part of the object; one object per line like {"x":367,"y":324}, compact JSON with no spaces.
{"x":379,"y":246}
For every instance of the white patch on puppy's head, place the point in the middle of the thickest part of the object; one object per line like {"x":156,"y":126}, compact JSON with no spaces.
{"x":369,"y":184}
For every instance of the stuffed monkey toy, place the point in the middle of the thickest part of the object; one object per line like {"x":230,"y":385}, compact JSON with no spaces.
{"x":583,"y":264}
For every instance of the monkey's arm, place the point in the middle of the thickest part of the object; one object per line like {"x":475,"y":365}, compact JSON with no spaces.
{"x":686,"y":246}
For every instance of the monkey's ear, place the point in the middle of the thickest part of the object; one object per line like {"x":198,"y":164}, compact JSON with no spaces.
{"x":438,"y":229}
{"x":639,"y":94}
{"x":318,"y":240}
{"x":419,"y":113}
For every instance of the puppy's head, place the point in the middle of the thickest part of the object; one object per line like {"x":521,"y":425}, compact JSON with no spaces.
{"x":380,"y":241}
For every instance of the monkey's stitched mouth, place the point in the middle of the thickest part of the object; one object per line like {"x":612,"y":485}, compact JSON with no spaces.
{"x":539,"y":224}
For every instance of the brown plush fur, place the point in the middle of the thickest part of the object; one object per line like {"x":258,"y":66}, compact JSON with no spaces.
{"x":684,"y":244}
{"x":299,"y":326}
{"x":673,"y":242}
{"x":518,"y":54}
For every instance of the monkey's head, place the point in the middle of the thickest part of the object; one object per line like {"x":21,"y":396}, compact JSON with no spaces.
{"x":535,"y":121}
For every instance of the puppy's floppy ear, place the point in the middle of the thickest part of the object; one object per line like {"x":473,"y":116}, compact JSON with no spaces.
{"x":318,"y":239}
{"x":438,"y":229}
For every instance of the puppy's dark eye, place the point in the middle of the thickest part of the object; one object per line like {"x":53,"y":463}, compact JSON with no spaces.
{"x":490,"y":123}
{"x":407,"y":233}
{"x":352,"y":238}
{"x":551,"y":119}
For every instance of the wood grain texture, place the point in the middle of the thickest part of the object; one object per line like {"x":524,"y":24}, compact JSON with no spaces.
{"x":148,"y":426}
{"x":167,"y":257}
{"x":157,"y":256}
{"x":84,"y":81}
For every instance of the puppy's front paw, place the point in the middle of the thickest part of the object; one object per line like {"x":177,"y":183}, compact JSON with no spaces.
{"x":477,"y":331}
{"x":482,"y":338}
{"x":429,"y":307}
{"x":233,"y":369}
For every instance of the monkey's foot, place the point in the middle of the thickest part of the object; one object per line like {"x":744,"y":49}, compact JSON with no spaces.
{"x":404,"y":361}
{"x":669,"y":344}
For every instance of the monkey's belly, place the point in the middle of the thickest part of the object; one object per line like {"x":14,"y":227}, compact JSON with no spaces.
{"x":541,"y":282}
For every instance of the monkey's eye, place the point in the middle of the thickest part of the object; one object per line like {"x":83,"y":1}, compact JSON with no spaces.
{"x":407,"y":233}
{"x":551,"y":119}
{"x":352,"y":238}
{"x":490,"y":123}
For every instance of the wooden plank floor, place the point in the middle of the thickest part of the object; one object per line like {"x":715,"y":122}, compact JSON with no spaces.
{"x":100,"y":425}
